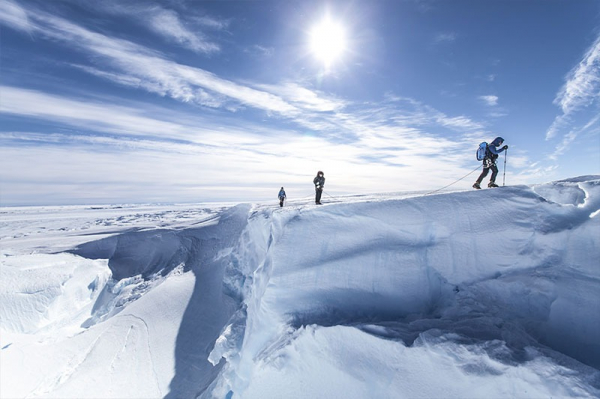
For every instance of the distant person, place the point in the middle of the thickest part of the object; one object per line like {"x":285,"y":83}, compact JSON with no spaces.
{"x":489,"y":162}
{"x":319,"y":182}
{"x":281,"y":196}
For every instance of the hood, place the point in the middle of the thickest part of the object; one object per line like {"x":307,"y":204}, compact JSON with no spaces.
{"x":497,"y":141}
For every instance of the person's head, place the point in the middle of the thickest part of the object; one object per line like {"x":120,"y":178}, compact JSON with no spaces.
{"x":282,"y":188}
{"x":498,"y":141}
{"x":320,"y":173}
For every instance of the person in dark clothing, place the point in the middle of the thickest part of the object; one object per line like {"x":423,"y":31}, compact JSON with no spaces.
{"x":319,"y":182}
{"x":281,"y":196}
{"x":489,"y":162}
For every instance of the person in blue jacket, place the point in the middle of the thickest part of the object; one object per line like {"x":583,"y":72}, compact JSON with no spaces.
{"x":489,"y":162}
{"x":281,"y":196}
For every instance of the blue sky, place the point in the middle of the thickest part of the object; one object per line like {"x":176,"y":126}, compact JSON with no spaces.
{"x":193,"y":101}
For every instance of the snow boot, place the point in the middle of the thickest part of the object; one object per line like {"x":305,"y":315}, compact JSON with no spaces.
{"x":492,"y":184}
{"x":477,"y":186}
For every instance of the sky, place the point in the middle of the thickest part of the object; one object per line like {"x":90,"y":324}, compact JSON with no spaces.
{"x":196,"y":101}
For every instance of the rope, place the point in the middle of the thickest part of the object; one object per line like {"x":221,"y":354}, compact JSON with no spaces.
{"x":331,"y":196}
{"x":300,"y":200}
{"x":435,"y":191}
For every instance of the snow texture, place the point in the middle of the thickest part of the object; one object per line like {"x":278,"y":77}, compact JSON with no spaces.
{"x":489,"y":293}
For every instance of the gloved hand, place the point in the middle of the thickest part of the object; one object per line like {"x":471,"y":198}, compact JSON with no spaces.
{"x":505,"y":147}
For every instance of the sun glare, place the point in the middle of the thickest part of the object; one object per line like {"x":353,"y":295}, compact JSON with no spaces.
{"x":327,"y":41}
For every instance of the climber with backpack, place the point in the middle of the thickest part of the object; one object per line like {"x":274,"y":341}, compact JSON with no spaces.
{"x":488,"y":153}
{"x":281,"y":196}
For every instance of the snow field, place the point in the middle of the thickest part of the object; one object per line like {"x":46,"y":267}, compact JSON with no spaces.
{"x":491,"y":293}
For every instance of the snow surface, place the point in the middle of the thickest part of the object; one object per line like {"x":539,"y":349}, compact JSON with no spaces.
{"x":491,"y":293}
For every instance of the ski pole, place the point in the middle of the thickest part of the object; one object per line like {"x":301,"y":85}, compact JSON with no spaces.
{"x":504,"y":173}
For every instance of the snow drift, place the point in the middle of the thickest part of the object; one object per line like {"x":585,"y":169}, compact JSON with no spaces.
{"x":487,"y":293}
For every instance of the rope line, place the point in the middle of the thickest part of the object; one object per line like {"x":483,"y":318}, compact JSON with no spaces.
{"x":331,"y":196}
{"x":440,"y":189}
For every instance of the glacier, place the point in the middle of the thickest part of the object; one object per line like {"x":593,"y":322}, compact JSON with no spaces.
{"x":491,"y":293}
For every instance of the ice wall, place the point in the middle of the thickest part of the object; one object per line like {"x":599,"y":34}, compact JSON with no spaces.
{"x":517,"y":264}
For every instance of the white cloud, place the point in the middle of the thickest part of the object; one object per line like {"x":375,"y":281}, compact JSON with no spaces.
{"x":168,"y":23}
{"x":211,"y":22}
{"x":14,"y":15}
{"x":446,"y":37}
{"x":564,"y":145}
{"x":581,"y":89}
{"x":103,"y":116}
{"x":410,"y":112}
{"x":158,"y":74}
{"x":304,"y":98}
{"x":260,"y":50}
{"x":489,"y":100}
{"x":136,"y":66}
{"x":458,"y":122}
{"x":182,"y":28}
{"x":583,"y":82}
{"x":560,"y":122}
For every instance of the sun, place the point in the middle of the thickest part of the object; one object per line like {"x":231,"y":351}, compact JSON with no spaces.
{"x":328,"y":41}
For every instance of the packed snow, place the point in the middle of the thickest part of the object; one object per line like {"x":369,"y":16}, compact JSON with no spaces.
{"x":490,"y":293}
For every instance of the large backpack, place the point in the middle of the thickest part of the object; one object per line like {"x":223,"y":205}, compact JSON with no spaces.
{"x":482,"y":151}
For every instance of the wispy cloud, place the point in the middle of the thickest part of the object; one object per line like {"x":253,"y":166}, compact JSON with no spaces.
{"x":260,"y":50}
{"x":446,"y":37}
{"x":590,"y":127}
{"x":560,"y":123}
{"x":411,"y":112}
{"x":304,"y":98}
{"x":211,"y":22}
{"x":180,"y":27}
{"x":582,"y":85}
{"x":168,"y":23}
{"x":579,"y":101}
{"x":461,"y":123}
{"x":490,"y":100}
{"x":14,"y":16}
{"x":581,"y":89}
{"x":128,"y":61}
{"x":129,"y":64}
{"x":563,"y":145}
{"x":74,"y":112}
{"x":105,"y":116}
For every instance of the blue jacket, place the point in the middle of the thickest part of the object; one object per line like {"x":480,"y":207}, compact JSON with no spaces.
{"x":493,"y":146}
{"x":281,"y":194}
